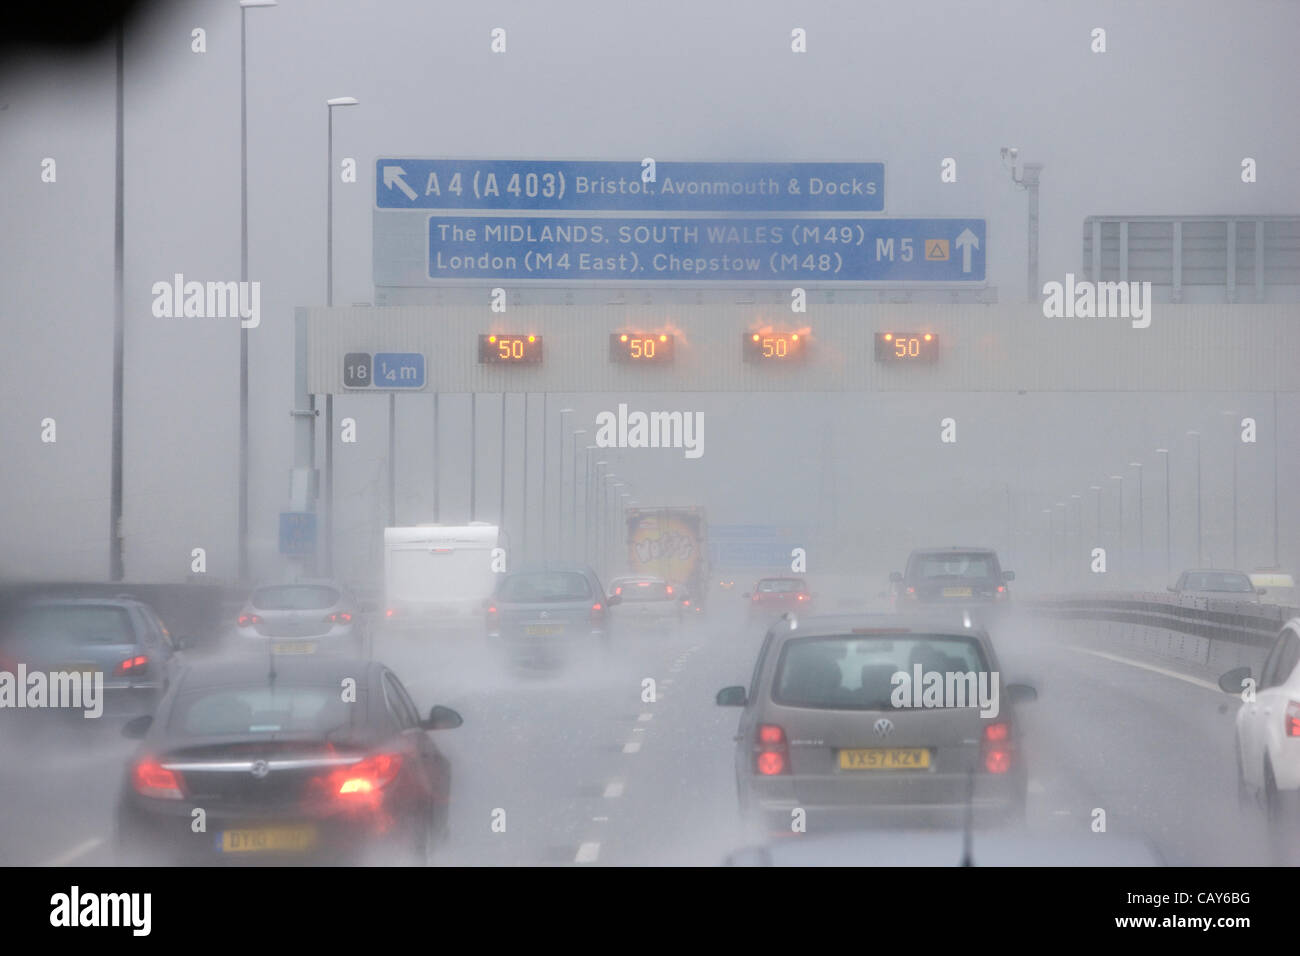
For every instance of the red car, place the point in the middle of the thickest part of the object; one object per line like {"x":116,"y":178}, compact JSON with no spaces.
{"x":772,"y":597}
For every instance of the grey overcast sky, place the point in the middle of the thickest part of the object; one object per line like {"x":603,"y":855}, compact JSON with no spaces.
{"x":1157,"y":125}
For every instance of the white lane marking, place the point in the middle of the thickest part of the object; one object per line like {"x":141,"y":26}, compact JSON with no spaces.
{"x":632,"y":746}
{"x":1060,"y":813}
{"x":85,"y":846}
{"x":666,"y":680}
{"x":646,"y":716}
{"x":587,"y":853}
{"x":1148,"y":667}
{"x":638,"y":730}
{"x":600,"y":819}
{"x":614,"y":789}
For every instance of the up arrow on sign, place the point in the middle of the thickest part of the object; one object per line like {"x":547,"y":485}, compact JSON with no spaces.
{"x":393,"y":177}
{"x":964,"y":242}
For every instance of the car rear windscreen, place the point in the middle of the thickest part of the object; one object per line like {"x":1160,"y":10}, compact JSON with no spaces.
{"x":779,"y":586}
{"x":295,"y":597}
{"x":857,"y":673}
{"x":76,"y":624}
{"x":644,"y":591}
{"x":954,"y":565}
{"x":232,"y":711}
{"x":543,"y":586}
{"x":1214,"y":581}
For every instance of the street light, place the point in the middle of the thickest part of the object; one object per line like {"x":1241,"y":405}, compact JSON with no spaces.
{"x":1097,"y":488}
{"x":1236,"y":445}
{"x":546,"y":400}
{"x":1169,"y":560}
{"x":243,"y":277}
{"x":1197,"y":436}
{"x":1142,"y":564}
{"x":329,"y":397}
{"x":1120,"y":550}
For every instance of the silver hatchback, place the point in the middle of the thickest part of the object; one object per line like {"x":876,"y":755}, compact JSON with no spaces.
{"x":301,"y":618}
{"x":889,"y":719}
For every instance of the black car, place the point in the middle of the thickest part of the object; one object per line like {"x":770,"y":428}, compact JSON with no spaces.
{"x":542,"y":615}
{"x":285,"y":759}
{"x":961,"y":577}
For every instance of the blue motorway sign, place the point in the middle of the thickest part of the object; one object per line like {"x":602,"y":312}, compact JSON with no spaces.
{"x":297,"y":533}
{"x":383,"y":370}
{"x":676,"y":249}
{"x":590,"y":186}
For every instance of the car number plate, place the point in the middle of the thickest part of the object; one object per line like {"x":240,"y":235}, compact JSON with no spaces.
{"x":268,"y":839}
{"x":956,"y":592}
{"x":885,"y":758}
{"x":294,"y":647}
{"x":543,"y":630}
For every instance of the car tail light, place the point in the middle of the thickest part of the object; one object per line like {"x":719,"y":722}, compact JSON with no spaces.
{"x":132,"y":665}
{"x":772,"y":753}
{"x":619,"y":589}
{"x":149,"y":778}
{"x":1293,"y":718}
{"x":366,"y":776}
{"x":997,"y":748}
{"x":597,"y":614}
{"x":910,"y":592}
{"x":248,"y":620}
{"x":686,"y":602}
{"x":390,"y":612}
{"x":754,"y":596}
{"x":668,"y":588}
{"x":801,"y":597}
{"x":340,"y":617}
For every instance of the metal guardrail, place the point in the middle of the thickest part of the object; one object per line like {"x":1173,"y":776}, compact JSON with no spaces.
{"x":1252,"y":625}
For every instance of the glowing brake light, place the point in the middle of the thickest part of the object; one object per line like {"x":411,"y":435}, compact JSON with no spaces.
{"x":340,"y":617}
{"x":367,"y":776}
{"x":997,"y":748}
{"x":248,"y":620}
{"x":802,"y":597}
{"x":668,"y":588}
{"x":1293,"y":718}
{"x":149,"y":778}
{"x":131,"y":665}
{"x":391,"y":612}
{"x":773,"y":756}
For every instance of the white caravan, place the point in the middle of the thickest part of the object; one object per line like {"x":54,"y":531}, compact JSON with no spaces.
{"x":439,"y":575}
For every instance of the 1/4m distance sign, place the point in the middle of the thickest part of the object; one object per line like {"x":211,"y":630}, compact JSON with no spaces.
{"x":382,"y":370}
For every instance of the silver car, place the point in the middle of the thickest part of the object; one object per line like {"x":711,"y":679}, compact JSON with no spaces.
{"x":647,"y":602}
{"x":1217,"y":586}
{"x":301,"y":618}
{"x":852,"y":720}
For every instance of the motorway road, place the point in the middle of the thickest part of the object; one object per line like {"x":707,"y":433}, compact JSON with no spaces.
{"x":588,"y":773}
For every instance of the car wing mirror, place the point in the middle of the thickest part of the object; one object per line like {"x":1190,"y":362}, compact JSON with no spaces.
{"x":1233,"y":682}
{"x":442,"y":718}
{"x":1008,"y":575}
{"x":731,"y":697}
{"x":137,"y":727}
{"x":1021,"y":693}
{"x":896,"y":577}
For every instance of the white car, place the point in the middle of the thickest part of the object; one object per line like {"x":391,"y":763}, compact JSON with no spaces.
{"x":1268,"y":729}
{"x":647,"y":602}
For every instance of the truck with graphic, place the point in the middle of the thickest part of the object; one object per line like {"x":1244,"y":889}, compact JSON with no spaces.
{"x":671,"y":542}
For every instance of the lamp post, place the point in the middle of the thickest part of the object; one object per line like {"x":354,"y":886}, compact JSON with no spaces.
{"x":1169,"y":559}
{"x":573,"y":514}
{"x":1097,"y":488}
{"x":1078,"y":521}
{"x":1197,"y":435}
{"x":1141,"y":562}
{"x":559,"y":496}
{"x":1120,"y":549}
{"x":329,"y":301}
{"x":1236,"y":446}
{"x":243,"y":272}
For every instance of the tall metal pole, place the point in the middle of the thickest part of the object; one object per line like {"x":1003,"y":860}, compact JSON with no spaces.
{"x":437,"y":463}
{"x":329,"y":397}
{"x":523,"y":507}
{"x":115,"y":542}
{"x":473,"y":454}
{"x":1169,"y":555}
{"x":1031,"y":176}
{"x":1276,"y":519}
{"x":392,"y":460}
{"x":1142,"y":551}
{"x":546,"y":441}
{"x":573,"y":513}
{"x":501,"y":508}
{"x":1236,"y":447}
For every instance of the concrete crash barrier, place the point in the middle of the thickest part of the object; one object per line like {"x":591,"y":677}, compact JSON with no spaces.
{"x":1210,"y":636}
